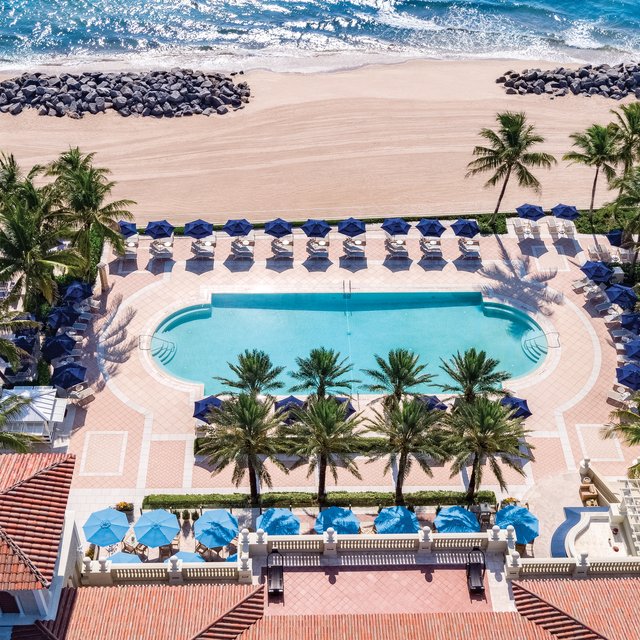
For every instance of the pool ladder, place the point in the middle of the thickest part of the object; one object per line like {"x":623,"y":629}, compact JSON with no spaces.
{"x":162,"y":349}
{"x":534,"y":348}
{"x":346,"y":289}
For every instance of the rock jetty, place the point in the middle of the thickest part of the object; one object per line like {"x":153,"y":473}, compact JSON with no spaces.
{"x":614,"y":82}
{"x":161,"y":94}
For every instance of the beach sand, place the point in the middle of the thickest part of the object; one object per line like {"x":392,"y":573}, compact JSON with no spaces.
{"x":375,"y":141}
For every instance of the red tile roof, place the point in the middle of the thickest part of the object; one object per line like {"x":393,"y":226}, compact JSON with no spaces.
{"x":34,"y":490}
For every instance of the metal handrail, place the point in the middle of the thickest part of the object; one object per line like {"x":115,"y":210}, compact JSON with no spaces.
{"x":547,"y":335}
{"x":146,"y":346}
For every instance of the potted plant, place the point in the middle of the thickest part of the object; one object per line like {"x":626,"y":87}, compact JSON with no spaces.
{"x":185,"y":515}
{"x":195,"y":515}
{"x":126,"y":508}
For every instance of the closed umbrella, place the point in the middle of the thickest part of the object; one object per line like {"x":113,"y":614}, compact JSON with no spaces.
{"x":58,"y":346}
{"x":340,"y":519}
{"x":198,"y":229}
{"x":597,"y":271}
{"x":106,"y":527}
{"x":396,"y":520}
{"x":456,"y":520}
{"x":187,"y":556}
{"x":530,"y":212}
{"x":565,"y":211}
{"x":159,"y":229}
{"x":156,"y":528}
{"x":316,"y":228}
{"x":396,"y":226}
{"x":77,"y":291}
{"x":632,"y":349}
{"x":68,"y":375}
{"x":518,"y":405}
{"x":465,"y":228}
{"x":615,"y":237}
{"x":216,"y":528}
{"x":523,"y":521}
{"x":239,"y":227}
{"x":279,"y":522}
{"x":430,"y":227}
{"x":202,"y":407}
{"x":127,"y":229}
{"x":629,"y":376}
{"x":124,"y":558}
{"x":432,"y":402}
{"x":624,"y":297}
{"x":351,"y":227}
{"x":278,"y":228}
{"x":61,"y":317}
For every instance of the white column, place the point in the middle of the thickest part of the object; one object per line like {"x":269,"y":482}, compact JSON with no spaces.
{"x":330,"y":539}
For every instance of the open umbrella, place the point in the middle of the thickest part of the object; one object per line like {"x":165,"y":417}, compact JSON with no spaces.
{"x":159,"y":229}
{"x":565,"y":211}
{"x":432,"y":402}
{"x":456,"y":520}
{"x":58,"y":346}
{"x":351,"y":227}
{"x":530,"y":211}
{"x":630,"y":321}
{"x":124,"y":558}
{"x":632,"y":348}
{"x":523,"y":521}
{"x":127,"y":229}
{"x":288,"y":406}
{"x":26,"y":343}
{"x":68,"y":375}
{"x":396,"y":520}
{"x":624,"y":297}
{"x":629,"y":376}
{"x":61,"y":317}
{"x":341,"y":400}
{"x":519,"y":406}
{"x":187,"y":556}
{"x":340,"y":519}
{"x":279,"y":522}
{"x":615,"y":237}
{"x":202,"y":407}
{"x":465,"y":228}
{"x":198,"y":229}
{"x":597,"y":271}
{"x":232,"y":558}
{"x":396,"y":226}
{"x":316,"y":228}
{"x":430,"y":227}
{"x":77,"y":291}
{"x":278,"y":228}
{"x":216,"y":528}
{"x":156,"y":528}
{"x":239,"y":227}
{"x":105,"y":527}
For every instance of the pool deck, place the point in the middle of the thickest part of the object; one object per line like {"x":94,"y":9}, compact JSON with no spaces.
{"x":137,"y":436}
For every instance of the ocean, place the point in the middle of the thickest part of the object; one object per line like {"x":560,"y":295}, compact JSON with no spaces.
{"x":312,"y":34}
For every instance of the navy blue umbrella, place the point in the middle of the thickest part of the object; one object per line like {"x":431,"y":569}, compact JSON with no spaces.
{"x":624,"y":297}
{"x":61,"y":317}
{"x":430,"y":227}
{"x":202,"y":407}
{"x":351,"y":227}
{"x":278,"y":228}
{"x":629,"y":376}
{"x":615,"y":237}
{"x":530,"y":211}
{"x":26,"y":343}
{"x":159,"y":229}
{"x":288,"y":406}
{"x":630,"y":321}
{"x":396,"y":226}
{"x":632,"y":348}
{"x":198,"y":229}
{"x":240,"y":227}
{"x":316,"y":228}
{"x":518,"y":405}
{"x":565,"y":211}
{"x":597,"y":271}
{"x":432,"y":402}
{"x":58,"y":346}
{"x":465,"y":228}
{"x":77,"y":291}
{"x":68,"y":375}
{"x":127,"y":229}
{"x":340,"y":400}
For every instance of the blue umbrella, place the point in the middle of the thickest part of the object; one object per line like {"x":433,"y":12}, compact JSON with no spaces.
{"x":198,"y":229}
{"x":288,"y":406}
{"x":202,"y":407}
{"x":127,"y":229}
{"x":530,"y":211}
{"x":156,"y":528}
{"x":277,"y":228}
{"x":351,"y":227}
{"x":465,"y":228}
{"x":624,"y":297}
{"x":61,"y":317}
{"x":26,"y":343}
{"x":432,"y":402}
{"x":124,"y":558}
{"x":629,"y":376}
{"x":232,"y":558}
{"x":430,"y":227}
{"x":519,"y":406}
{"x":106,"y":527}
{"x":342,"y":520}
{"x":597,"y":271}
{"x":456,"y":520}
{"x":159,"y":229}
{"x":632,"y":349}
{"x":279,"y":522}
{"x":396,"y":520}
{"x":68,"y":375}
{"x":630,"y":321}
{"x":58,"y":346}
{"x":565,"y":211}
{"x":240,"y":227}
{"x":187,"y":556}
{"x":216,"y":528}
{"x":615,"y":237}
{"x":523,"y":521}
{"x":396,"y":226}
{"x":77,"y":291}
{"x":316,"y":228}
{"x":341,"y":400}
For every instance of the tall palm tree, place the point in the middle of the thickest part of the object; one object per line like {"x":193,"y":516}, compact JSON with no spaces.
{"x":71,"y":161}
{"x":597,"y":147}
{"x":509,"y":153}
{"x":324,"y":436}
{"x":12,"y":175}
{"x":397,"y":375}
{"x":242,"y":433}
{"x":255,"y":373}
{"x":485,"y":431}
{"x":626,"y":210}
{"x":412,"y":433}
{"x":473,"y":374}
{"x":625,"y":424}
{"x":10,"y":407}
{"x":627,"y":126}
{"x":322,"y":372}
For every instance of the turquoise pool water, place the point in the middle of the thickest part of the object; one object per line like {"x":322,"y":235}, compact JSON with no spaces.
{"x":196,"y":343}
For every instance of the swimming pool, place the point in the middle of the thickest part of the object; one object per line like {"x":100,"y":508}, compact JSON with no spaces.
{"x":196,"y":343}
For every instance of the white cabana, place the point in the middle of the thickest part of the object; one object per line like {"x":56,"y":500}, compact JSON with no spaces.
{"x":41,"y":416}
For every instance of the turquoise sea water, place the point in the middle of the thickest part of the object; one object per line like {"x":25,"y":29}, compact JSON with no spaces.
{"x":197,"y":342}
{"x":285,"y":34}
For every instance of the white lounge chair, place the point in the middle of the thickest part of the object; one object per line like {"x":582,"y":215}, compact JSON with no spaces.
{"x":282,"y":249}
{"x":553,"y":228}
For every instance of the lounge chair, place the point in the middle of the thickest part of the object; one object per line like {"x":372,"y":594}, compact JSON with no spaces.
{"x":161,"y":251}
{"x":553,"y":228}
{"x":603,"y":306}
{"x":475,"y":568}
{"x":619,"y":399}
{"x":396,"y":249}
{"x":282,"y":249}
{"x":535,"y":230}
{"x":354,"y":251}
{"x":275,"y":573}
{"x":241,"y":251}
{"x":579,"y":285}
{"x":569,"y":229}
{"x":202,"y":250}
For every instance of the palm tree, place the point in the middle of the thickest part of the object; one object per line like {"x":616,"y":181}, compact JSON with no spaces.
{"x":598,"y":147}
{"x":625,"y":424}
{"x":11,"y":174}
{"x":628,"y":204}
{"x":627,"y":126}
{"x":473,"y":374}
{"x":397,"y":375}
{"x":255,"y":373}
{"x":10,"y":407}
{"x":70,"y":162}
{"x":10,"y":322}
{"x":412,"y":433}
{"x":321,"y":373}
{"x":324,"y":436}
{"x":242,"y":433}
{"x":509,"y":152}
{"x":484,"y":431}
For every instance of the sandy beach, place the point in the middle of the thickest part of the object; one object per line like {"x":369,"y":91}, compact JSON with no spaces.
{"x":379,"y":140}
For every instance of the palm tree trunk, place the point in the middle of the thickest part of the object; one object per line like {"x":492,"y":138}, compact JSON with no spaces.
{"x":253,"y":485}
{"x":321,"y":391}
{"x":322,"y":479}
{"x":504,"y":188}
{"x":593,"y":197}
{"x":402,"y":465}
{"x":471,"y":489}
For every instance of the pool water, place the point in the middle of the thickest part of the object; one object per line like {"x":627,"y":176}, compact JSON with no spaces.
{"x":196,"y":343}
